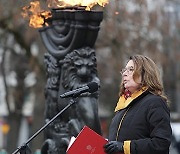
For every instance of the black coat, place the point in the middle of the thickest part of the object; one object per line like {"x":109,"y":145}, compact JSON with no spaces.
{"x":146,"y":124}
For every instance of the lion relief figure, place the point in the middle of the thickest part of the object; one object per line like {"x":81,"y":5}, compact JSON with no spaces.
{"x":78,"y":69}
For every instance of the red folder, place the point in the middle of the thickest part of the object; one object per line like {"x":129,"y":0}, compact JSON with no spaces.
{"x":87,"y":142}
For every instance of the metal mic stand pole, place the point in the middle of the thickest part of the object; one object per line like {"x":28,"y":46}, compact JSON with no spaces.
{"x":72,"y":101}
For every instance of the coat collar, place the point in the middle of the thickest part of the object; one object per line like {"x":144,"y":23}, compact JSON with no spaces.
{"x":123,"y":103}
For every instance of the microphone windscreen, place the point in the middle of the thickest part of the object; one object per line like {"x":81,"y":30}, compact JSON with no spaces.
{"x":93,"y":87}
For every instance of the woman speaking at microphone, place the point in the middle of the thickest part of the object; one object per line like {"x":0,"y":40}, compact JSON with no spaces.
{"x":141,"y":124}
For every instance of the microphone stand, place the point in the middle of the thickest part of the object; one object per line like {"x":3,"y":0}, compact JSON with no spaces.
{"x":72,"y":101}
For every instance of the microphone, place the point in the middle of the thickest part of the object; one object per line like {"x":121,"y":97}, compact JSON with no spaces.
{"x":90,"y":87}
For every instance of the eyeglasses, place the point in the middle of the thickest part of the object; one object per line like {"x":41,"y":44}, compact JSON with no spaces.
{"x":128,"y":69}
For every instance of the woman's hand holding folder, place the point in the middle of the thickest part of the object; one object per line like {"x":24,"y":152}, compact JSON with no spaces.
{"x":114,"y":147}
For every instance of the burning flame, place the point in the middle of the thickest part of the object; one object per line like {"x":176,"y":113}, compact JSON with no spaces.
{"x":70,"y":3}
{"x":38,"y":17}
{"x":116,"y":13}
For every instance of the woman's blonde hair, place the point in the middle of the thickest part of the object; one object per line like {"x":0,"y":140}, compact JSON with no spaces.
{"x":150,"y":74}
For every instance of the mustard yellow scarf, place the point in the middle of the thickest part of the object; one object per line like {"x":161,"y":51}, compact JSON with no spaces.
{"x":123,"y":103}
